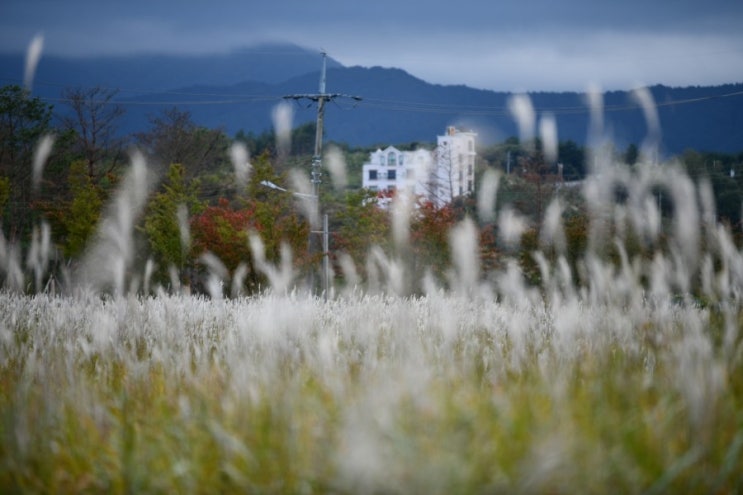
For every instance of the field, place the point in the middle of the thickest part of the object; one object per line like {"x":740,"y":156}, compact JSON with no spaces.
{"x":368,"y":394}
{"x":623,"y":376}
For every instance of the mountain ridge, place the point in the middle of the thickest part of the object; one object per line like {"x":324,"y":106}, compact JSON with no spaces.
{"x":399,"y":108}
{"x":266,"y":62}
{"x":396,"y":106}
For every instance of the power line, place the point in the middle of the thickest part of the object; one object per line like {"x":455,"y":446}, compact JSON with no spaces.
{"x":374,"y":103}
{"x":426,"y":107}
{"x":236,"y":97}
{"x":320,"y":98}
{"x":400,"y":105}
{"x":169,"y":102}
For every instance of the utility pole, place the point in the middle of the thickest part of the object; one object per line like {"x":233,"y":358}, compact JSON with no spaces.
{"x":320,"y":98}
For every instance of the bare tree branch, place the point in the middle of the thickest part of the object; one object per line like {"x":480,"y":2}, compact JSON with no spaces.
{"x":94,"y":118}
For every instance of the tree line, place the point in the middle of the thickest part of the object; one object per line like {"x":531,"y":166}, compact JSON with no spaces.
{"x":200,"y":206}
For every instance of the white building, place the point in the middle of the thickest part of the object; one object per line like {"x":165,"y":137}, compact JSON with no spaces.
{"x":391,"y":171}
{"x":438,"y":176}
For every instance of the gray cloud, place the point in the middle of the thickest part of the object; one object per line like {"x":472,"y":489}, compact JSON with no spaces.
{"x":501,"y":45}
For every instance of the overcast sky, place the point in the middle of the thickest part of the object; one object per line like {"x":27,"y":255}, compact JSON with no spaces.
{"x":505,"y":45}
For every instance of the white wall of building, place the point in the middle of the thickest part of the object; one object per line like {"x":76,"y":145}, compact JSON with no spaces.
{"x":439,"y":175}
{"x":455,"y":165}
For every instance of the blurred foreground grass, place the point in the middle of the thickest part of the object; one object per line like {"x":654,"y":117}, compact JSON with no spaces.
{"x":438,"y":394}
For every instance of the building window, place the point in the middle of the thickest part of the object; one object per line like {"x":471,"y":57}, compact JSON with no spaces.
{"x":460,"y":190}
{"x":372,"y":175}
{"x":402,"y":159}
{"x":469,"y":169}
{"x":469,"y":186}
{"x":391,"y":174}
{"x":470,"y":146}
{"x":391,"y":159}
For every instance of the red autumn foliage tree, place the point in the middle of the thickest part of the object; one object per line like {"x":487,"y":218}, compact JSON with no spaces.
{"x":223,"y":230}
{"x":430,"y":242}
{"x":429,"y":237}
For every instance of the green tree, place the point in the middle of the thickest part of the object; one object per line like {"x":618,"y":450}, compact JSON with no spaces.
{"x":573,"y":158}
{"x":276,"y":213}
{"x":504,"y":155}
{"x":83,"y":211}
{"x":536,"y":185}
{"x":719,"y":170}
{"x":23,"y":121}
{"x":358,"y":224}
{"x":257,"y":144}
{"x":727,"y":198}
{"x":4,"y":192}
{"x":303,"y":139}
{"x":167,"y":234}
{"x":631,"y":154}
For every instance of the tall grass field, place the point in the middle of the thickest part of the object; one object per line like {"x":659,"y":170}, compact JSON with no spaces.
{"x":619,"y":372}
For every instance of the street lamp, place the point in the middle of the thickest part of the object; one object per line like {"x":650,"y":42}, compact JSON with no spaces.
{"x":324,"y":232}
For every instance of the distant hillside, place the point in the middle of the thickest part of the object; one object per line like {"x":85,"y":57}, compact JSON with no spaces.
{"x":239,"y":90}
{"x":271,"y":63}
{"x":399,"y":108}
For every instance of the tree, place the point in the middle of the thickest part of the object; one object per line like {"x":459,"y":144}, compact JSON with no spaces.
{"x":536,"y":186}
{"x":504,"y":155}
{"x":440,"y":184}
{"x":4,"y":192}
{"x":276,"y":214}
{"x":358,"y":224}
{"x":573,"y":158}
{"x":509,"y":153}
{"x":83,"y":211}
{"x":631,"y":154}
{"x":93,"y":121}
{"x":429,"y":237}
{"x":23,"y":121}
{"x":719,"y":170}
{"x":257,"y":144}
{"x":302,"y":138}
{"x":222,"y":230}
{"x":175,"y":138}
{"x":727,"y":198}
{"x":167,"y":217}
